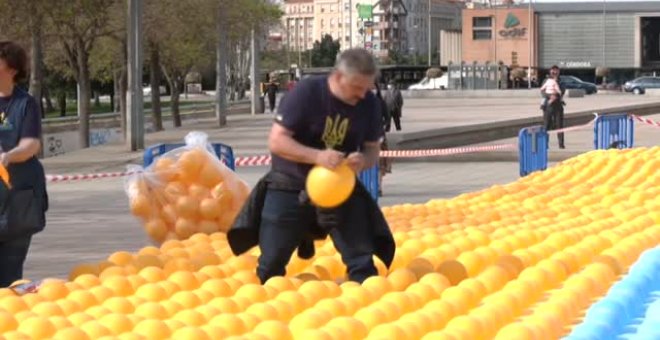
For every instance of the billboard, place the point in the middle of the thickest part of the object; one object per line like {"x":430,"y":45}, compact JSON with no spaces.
{"x":365,"y":12}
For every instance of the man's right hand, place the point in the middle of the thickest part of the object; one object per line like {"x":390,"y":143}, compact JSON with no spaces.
{"x":329,"y":158}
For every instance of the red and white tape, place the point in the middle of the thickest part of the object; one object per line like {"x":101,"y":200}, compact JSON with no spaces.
{"x":263,"y":160}
{"x":445,"y":152}
{"x":574,"y":128}
{"x":80,"y":177}
{"x":647,"y":121}
{"x":252,"y":160}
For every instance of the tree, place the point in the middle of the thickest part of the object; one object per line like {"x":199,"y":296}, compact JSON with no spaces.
{"x":325,"y":52}
{"x":155,"y":37}
{"x":274,"y":60}
{"x":108,"y":65}
{"x":398,"y":58}
{"x":241,"y":17}
{"x":24,"y":19}
{"x":222,"y":45}
{"x":77,"y":25}
{"x":186,"y":45}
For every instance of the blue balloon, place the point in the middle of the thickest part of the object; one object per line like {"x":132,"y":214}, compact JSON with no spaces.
{"x":648,"y":333}
{"x":590,"y":331}
{"x":608,"y":317}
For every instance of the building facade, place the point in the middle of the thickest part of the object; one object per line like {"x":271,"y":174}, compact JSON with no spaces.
{"x":307,"y":21}
{"x":391,"y":25}
{"x":573,"y":35}
{"x":298,"y":24}
{"x":616,"y":35}
{"x":500,"y":34}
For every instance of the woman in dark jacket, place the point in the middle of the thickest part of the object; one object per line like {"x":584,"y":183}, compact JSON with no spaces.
{"x":23,"y":203}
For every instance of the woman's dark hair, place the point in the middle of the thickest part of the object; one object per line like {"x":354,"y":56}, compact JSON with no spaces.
{"x":15,"y":58}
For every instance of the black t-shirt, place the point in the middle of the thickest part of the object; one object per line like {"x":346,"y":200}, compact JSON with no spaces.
{"x":31,"y":127}
{"x":320,"y":120}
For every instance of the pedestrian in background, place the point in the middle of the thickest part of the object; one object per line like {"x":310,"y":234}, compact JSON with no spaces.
{"x":394,"y":102}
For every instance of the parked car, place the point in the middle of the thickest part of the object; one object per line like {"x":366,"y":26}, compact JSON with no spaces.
{"x":427,"y":83}
{"x":571,"y":82}
{"x":639,"y":85}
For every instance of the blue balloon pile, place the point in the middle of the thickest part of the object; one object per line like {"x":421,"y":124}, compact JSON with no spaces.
{"x":631,"y":308}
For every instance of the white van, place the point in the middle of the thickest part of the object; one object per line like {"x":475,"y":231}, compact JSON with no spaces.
{"x":431,"y":83}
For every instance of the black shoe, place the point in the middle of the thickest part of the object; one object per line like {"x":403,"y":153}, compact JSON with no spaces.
{"x":306,"y":249}
{"x":562,"y":147}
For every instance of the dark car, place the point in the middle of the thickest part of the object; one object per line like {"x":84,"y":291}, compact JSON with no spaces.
{"x":639,"y":85}
{"x":570,"y":82}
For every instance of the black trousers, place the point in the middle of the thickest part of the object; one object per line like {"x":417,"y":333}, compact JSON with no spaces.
{"x":553,"y":119}
{"x":12,"y":258}
{"x":271,"y":102}
{"x":396,"y":116}
{"x":284,"y":222}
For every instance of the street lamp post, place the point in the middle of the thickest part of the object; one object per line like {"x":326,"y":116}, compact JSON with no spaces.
{"x":135,"y":115}
{"x":429,"y":34}
{"x":350,"y":23}
{"x":529,"y":67}
{"x":413,"y":49}
{"x":604,"y":39}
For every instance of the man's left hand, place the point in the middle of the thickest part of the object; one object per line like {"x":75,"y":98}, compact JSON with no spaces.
{"x":356,"y":161}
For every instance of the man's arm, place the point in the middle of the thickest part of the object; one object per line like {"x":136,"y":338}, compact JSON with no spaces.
{"x":281,"y":143}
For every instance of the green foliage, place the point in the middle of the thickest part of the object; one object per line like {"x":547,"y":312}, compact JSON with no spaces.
{"x":398,"y":58}
{"x":325,"y":52}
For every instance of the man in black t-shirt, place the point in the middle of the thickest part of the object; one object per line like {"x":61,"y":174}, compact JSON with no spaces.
{"x":323,"y":121}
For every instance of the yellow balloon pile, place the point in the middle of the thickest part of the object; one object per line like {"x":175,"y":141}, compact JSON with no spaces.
{"x":517,"y":261}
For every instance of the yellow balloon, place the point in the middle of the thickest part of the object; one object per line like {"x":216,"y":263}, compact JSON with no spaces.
{"x":329,"y":188}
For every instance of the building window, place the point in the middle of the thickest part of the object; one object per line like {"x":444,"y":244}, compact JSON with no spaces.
{"x":482,"y":22}
{"x":482,"y":28}
{"x":482,"y":35}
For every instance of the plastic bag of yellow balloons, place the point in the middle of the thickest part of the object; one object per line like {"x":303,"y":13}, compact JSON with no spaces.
{"x":185,"y":191}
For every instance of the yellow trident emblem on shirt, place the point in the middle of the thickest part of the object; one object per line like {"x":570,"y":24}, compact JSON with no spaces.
{"x":335,"y":131}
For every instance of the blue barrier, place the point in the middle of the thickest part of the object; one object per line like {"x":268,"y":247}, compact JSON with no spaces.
{"x":614,"y":132}
{"x":224,"y":153}
{"x":532,"y":149}
{"x":369,"y":179}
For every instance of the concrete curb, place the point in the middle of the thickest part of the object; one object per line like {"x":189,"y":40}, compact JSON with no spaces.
{"x":488,"y":132}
